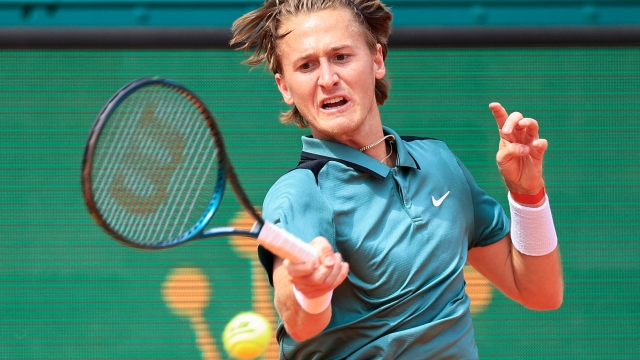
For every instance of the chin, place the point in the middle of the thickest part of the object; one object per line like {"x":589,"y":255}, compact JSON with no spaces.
{"x":338,"y":127}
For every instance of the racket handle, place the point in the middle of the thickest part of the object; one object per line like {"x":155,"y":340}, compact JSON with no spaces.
{"x":284,"y":244}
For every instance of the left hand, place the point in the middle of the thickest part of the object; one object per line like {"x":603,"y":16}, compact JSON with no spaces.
{"x":520,"y":151}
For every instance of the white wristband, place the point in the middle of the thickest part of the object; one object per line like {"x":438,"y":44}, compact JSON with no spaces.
{"x":532,"y":229}
{"x":313,"y":306}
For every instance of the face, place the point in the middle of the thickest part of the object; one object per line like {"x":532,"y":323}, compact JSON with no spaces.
{"x":329,"y":73}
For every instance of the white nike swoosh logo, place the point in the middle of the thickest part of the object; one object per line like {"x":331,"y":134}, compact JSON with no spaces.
{"x":438,"y":202}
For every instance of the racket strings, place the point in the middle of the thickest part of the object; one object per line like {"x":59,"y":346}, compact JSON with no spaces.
{"x":131,"y":181}
{"x":155,"y":166}
{"x":184,"y":186}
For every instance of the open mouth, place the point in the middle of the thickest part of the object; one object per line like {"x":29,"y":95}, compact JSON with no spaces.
{"x":334,"y":103}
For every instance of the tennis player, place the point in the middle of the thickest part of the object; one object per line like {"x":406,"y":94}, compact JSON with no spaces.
{"x":393,"y":219}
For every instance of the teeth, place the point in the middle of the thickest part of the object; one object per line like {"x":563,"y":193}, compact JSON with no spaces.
{"x":333,"y":100}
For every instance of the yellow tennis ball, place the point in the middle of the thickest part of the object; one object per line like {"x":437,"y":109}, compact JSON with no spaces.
{"x":246,"y":336}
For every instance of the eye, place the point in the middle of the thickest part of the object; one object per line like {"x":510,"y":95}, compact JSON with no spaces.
{"x":342,"y":57}
{"x":307,"y":66}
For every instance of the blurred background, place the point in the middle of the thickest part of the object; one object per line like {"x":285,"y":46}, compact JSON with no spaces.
{"x":68,"y":291}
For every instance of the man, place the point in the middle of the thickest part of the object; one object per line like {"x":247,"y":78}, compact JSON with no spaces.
{"x":393,"y":219}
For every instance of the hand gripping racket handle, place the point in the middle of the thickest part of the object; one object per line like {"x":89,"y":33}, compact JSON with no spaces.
{"x":284,"y":244}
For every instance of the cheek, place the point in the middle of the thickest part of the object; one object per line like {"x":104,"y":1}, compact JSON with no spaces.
{"x":302,"y":89}
{"x":369,"y":86}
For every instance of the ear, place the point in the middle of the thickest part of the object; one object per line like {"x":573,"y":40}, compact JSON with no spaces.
{"x":284,"y":90}
{"x":378,"y":63}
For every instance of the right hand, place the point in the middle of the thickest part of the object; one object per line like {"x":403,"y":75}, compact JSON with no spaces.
{"x":320,"y":275}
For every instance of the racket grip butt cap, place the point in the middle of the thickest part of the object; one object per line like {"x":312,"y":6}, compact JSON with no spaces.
{"x":284,"y":244}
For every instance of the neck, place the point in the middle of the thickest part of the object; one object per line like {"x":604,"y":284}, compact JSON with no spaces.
{"x":382,"y":150}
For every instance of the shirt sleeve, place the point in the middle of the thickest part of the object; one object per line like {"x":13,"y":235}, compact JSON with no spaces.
{"x":296,"y":204}
{"x":490,"y":221}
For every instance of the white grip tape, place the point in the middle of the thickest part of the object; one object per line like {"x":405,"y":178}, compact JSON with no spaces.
{"x":532,"y":229}
{"x":284,"y":245}
{"x":313,"y":306}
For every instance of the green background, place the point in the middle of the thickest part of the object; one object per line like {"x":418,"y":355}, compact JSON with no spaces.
{"x":68,"y":291}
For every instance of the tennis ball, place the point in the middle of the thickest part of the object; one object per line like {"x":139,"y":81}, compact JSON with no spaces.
{"x":246,"y":336}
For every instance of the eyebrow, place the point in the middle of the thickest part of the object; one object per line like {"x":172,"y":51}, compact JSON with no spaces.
{"x":332,"y":49}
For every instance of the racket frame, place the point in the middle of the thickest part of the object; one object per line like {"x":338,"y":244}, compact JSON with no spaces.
{"x":225,"y":172}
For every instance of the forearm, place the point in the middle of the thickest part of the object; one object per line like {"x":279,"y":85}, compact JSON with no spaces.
{"x":537,"y":280}
{"x":533,"y":281}
{"x":535,"y":258}
{"x":300,"y":324}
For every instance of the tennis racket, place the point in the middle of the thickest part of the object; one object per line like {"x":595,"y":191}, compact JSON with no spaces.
{"x":155,"y":168}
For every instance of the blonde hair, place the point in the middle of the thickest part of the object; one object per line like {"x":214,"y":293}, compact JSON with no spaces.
{"x":258,"y":29}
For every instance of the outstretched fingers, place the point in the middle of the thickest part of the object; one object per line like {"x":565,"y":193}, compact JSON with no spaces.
{"x":514,"y":127}
{"x":538,"y":148}
{"x":499,"y":113}
{"x":520,"y":152}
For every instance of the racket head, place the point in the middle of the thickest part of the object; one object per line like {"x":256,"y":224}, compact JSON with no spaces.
{"x":154,"y":166}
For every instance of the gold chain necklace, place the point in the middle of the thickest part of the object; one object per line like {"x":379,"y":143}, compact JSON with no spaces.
{"x":393,"y":139}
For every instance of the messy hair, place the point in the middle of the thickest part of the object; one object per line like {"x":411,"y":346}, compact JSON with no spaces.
{"x":258,"y":29}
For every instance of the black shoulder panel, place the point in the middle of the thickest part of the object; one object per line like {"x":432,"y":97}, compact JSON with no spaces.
{"x":311,"y":164}
{"x":315,"y":163}
{"x":414,"y":138}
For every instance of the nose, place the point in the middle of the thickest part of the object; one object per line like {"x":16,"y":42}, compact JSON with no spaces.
{"x":328,"y":77}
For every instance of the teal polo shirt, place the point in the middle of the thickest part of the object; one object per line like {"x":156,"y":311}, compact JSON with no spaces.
{"x":405,"y":232}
